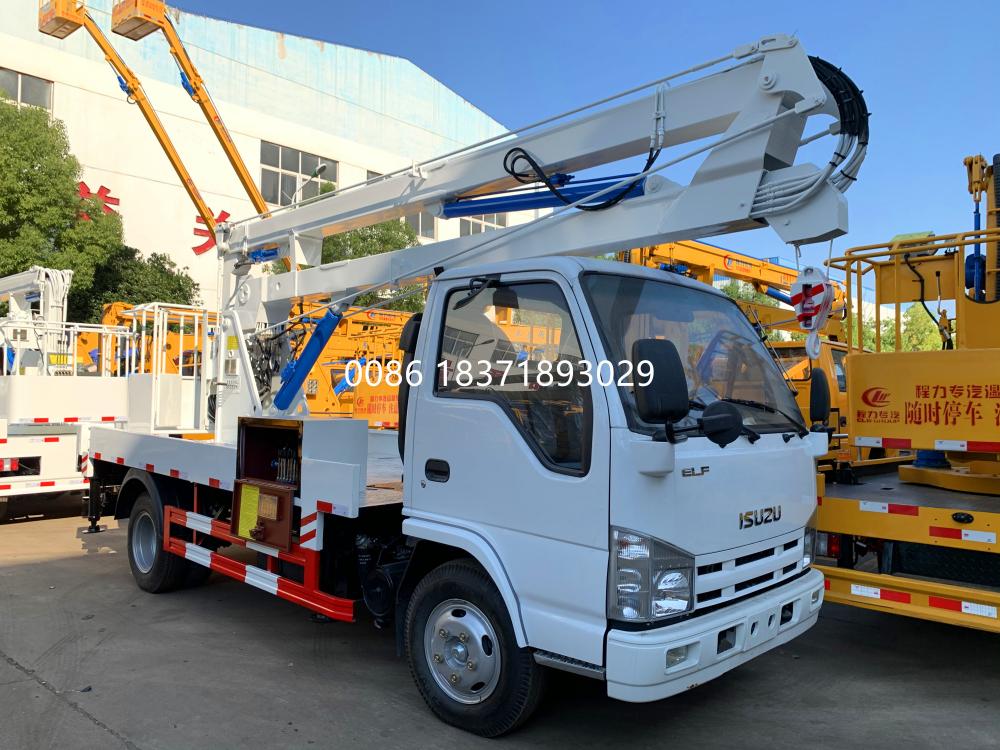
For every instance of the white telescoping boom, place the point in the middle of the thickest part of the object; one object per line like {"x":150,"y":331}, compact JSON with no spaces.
{"x":757,"y":109}
{"x":46,"y":287}
{"x":633,"y":532}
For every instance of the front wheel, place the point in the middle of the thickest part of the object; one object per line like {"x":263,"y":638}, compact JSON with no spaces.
{"x":463,"y":654}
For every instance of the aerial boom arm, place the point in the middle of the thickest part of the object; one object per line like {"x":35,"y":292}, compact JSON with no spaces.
{"x":201,"y":96}
{"x":757,"y":109}
{"x":135,"y":92}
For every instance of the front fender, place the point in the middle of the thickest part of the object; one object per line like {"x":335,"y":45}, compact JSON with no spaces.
{"x":479,"y":548}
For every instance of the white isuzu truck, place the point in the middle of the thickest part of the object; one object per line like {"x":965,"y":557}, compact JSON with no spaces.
{"x":585,"y":472}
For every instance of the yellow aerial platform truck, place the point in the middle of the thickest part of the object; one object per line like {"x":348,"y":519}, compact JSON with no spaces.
{"x":921,"y":539}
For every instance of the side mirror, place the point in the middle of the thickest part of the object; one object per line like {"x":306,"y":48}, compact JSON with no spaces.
{"x":664,"y":399}
{"x":819,"y":397}
{"x":721,"y":422}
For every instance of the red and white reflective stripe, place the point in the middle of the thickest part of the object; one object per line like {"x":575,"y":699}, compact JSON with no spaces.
{"x":198,"y":522}
{"x":966,"y":535}
{"x":69,"y":420}
{"x":878,"y":442}
{"x":68,"y":484}
{"x":959,"y":605}
{"x":172,"y":472}
{"x":874,"y":592}
{"x":308,"y":527}
{"x":971,"y":446}
{"x":895,"y":508}
{"x":965,"y":446}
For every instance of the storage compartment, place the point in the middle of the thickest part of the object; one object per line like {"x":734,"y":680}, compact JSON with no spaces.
{"x":270,"y":450}
{"x":262,"y":512}
{"x":268,"y":477}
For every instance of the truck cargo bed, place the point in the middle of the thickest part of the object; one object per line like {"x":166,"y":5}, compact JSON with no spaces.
{"x":887,"y":487}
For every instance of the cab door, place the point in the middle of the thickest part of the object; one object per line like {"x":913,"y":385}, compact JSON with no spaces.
{"x":510,"y":442}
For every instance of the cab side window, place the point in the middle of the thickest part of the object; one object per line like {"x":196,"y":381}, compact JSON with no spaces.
{"x":515,"y":345}
{"x":840,"y":369}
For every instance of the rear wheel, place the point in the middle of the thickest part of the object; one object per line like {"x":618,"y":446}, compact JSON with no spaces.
{"x":155,"y":570}
{"x":463,"y":654}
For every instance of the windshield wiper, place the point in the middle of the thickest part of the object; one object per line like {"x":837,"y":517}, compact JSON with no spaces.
{"x":800,"y":428}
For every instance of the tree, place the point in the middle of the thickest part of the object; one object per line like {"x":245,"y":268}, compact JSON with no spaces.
{"x":374,"y":240}
{"x":38,"y":196}
{"x":43,"y":221}
{"x":920,"y":332}
{"x":126,"y":276}
{"x":741,"y":291}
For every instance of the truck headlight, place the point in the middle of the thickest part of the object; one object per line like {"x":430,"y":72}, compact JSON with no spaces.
{"x":809,"y":542}
{"x":648,"y":578}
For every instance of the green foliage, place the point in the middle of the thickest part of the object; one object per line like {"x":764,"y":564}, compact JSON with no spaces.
{"x":38,"y":194}
{"x":919,"y":332}
{"x":374,"y":240}
{"x":126,"y":276}
{"x":42,"y":222}
{"x":743,"y":292}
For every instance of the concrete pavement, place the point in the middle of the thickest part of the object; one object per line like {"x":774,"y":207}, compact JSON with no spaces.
{"x":87,"y":660}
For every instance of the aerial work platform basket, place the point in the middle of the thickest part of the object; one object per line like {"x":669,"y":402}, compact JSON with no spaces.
{"x":136,"y":19}
{"x":60,"y":18}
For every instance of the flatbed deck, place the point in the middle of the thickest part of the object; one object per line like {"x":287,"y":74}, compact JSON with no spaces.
{"x":887,"y":487}
{"x":214,"y":464}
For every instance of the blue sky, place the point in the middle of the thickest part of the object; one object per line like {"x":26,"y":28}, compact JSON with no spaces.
{"x":926,"y":69}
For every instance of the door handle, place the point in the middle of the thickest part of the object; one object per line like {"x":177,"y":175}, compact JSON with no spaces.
{"x":437,"y":470}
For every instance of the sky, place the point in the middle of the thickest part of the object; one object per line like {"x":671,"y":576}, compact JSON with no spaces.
{"x":925,"y":67}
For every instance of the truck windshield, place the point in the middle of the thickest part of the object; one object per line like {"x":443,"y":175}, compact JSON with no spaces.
{"x":723,"y":357}
{"x":793,"y":361}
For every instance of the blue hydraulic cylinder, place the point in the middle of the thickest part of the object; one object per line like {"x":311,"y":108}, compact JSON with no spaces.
{"x":778,"y":295}
{"x":342,"y":384}
{"x":186,"y":84}
{"x":298,"y":370}
{"x":524,"y":201}
{"x":978,"y":283}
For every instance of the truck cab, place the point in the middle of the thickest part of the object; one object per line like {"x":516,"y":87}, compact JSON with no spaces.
{"x":622,"y":553}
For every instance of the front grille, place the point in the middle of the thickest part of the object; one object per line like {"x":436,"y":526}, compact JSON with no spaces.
{"x":758,"y":566}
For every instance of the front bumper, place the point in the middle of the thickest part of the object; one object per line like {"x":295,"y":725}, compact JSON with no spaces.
{"x":636,"y":667}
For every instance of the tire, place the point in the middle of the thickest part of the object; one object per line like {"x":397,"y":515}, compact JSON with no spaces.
{"x":459,"y":599}
{"x":155,"y":570}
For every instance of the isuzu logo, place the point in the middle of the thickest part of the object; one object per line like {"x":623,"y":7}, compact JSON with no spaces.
{"x":751,"y":518}
{"x":876,"y":397}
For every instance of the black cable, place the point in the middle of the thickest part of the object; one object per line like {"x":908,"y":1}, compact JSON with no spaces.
{"x":946,"y":342}
{"x":851,"y":108}
{"x":537,"y":174}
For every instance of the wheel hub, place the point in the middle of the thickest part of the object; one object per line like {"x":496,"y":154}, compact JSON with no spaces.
{"x":462,"y":650}
{"x":144,"y":543}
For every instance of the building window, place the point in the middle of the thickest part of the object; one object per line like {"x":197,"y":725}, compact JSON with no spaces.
{"x":369,"y":175}
{"x":21,"y":88}
{"x":423,"y":224}
{"x":285,"y":171}
{"x":483,"y":223}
